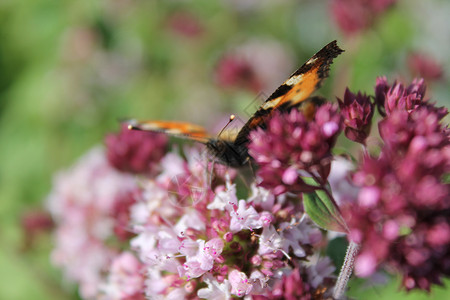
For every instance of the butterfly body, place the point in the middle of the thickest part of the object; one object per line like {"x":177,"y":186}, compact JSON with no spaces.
{"x":294,"y":92}
{"x":228,"y":153}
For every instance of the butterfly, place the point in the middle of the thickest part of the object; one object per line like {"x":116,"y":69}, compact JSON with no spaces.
{"x":294,"y":92}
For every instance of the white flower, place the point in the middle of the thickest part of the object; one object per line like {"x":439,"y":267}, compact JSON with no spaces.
{"x":244,"y":218}
{"x":318,"y":269}
{"x":225,"y":199}
{"x":215,"y":290}
{"x":270,"y":241}
{"x":190,"y":219}
{"x":240,"y":284}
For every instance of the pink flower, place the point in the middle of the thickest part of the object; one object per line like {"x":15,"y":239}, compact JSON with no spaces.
{"x":215,"y":290}
{"x":126,"y":279}
{"x":185,"y":24}
{"x":240,"y":284}
{"x":244,"y":217}
{"x":82,"y":205}
{"x":270,"y":241}
{"x":213,"y":248}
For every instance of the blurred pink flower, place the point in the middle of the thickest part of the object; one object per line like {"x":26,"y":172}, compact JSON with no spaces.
{"x":81,"y":203}
{"x":354,"y":16}
{"x":258,"y":66}
{"x":33,"y":223}
{"x":135,"y":151}
{"x":425,"y":66}
{"x":185,"y":24}
{"x":240,"y":284}
{"x":125,"y":280}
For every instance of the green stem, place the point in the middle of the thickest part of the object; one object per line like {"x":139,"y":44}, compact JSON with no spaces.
{"x":346,"y":271}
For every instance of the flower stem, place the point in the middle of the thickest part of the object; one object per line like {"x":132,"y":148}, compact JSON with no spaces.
{"x":346,"y":271}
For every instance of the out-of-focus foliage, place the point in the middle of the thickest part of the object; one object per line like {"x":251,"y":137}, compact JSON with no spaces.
{"x":69,"y":70}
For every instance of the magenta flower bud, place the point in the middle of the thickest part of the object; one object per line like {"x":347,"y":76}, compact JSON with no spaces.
{"x":220,"y":259}
{"x":228,"y":237}
{"x":357,"y":111}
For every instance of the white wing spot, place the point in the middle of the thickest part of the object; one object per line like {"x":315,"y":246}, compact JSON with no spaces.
{"x":271,"y":103}
{"x":311,"y":61}
{"x":294,"y":80}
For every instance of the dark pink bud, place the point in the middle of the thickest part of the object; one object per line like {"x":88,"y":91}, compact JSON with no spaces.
{"x":357,"y":111}
{"x":228,"y":237}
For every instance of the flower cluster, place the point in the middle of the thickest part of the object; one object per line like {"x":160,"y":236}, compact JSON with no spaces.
{"x":82,"y":204}
{"x":176,"y":238}
{"x":401,"y":216}
{"x":135,"y":222}
{"x":354,"y":16}
{"x":292,"y":144}
{"x":218,"y":246}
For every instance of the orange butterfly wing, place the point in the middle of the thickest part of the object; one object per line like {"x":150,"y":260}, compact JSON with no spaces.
{"x":179,"y":129}
{"x":296,"y":89}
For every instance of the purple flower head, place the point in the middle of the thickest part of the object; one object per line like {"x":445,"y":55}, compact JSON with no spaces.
{"x":292,"y":143}
{"x":135,"y":151}
{"x":357,"y":111}
{"x":403,"y":200}
{"x":389,"y":98}
{"x":405,"y":98}
{"x":398,"y":97}
{"x":400,"y":130}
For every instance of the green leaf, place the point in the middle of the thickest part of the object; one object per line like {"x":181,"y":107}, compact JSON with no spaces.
{"x":323,"y":211}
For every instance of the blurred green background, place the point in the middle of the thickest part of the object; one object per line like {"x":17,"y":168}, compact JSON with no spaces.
{"x":69,"y":70}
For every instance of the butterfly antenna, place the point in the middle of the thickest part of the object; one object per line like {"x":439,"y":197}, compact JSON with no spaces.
{"x":133,"y":125}
{"x":232,"y":117}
